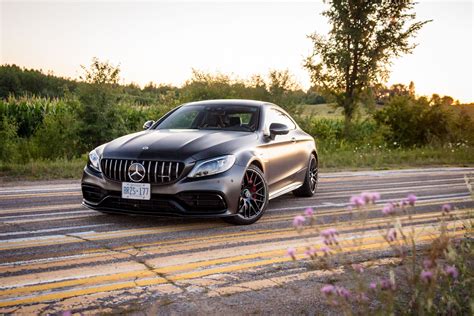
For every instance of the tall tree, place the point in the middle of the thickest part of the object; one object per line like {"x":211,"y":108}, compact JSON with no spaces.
{"x":365,"y":35}
{"x":100,"y":121}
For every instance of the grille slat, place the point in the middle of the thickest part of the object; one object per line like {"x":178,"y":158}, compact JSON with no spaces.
{"x":155,"y":171}
{"x":162,"y":170}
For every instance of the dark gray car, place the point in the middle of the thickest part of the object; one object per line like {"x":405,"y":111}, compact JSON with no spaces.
{"x":219,"y":158}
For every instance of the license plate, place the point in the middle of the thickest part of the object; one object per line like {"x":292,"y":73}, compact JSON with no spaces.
{"x":135,"y":191}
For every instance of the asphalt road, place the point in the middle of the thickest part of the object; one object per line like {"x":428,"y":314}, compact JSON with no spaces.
{"x":56,"y":255}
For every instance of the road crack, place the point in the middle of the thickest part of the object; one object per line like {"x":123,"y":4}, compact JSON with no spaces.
{"x":134,"y":257}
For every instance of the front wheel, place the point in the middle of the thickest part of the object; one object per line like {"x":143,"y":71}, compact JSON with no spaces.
{"x":253,"y":198}
{"x":311,"y":179}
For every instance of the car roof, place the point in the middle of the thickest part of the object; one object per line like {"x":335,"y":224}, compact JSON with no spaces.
{"x":224,"y":102}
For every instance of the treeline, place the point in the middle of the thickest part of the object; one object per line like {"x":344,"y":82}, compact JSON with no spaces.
{"x":278,"y":86}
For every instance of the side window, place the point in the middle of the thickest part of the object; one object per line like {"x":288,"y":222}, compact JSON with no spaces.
{"x":275,"y":116}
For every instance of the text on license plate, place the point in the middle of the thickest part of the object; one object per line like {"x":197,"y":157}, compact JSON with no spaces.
{"x":135,"y":191}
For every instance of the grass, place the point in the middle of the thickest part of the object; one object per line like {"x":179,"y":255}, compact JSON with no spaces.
{"x":379,"y":159}
{"x":328,"y":110}
{"x":42,"y":170}
{"x":330,"y":160}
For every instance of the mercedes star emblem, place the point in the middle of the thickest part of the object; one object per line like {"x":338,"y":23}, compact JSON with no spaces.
{"x":136,"y":172}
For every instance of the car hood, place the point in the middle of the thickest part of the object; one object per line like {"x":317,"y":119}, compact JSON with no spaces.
{"x":177,"y":145}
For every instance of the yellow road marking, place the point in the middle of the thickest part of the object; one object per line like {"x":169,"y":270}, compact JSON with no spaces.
{"x":30,"y":195}
{"x":190,"y":243}
{"x":192,"y":265}
{"x":180,"y":277}
{"x":60,"y":207}
{"x":67,"y":239}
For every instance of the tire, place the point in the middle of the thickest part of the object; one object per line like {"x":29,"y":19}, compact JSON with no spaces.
{"x":253,"y":199}
{"x":310,"y":183}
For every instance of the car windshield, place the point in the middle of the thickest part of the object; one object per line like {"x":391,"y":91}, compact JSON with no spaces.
{"x":213,"y":117}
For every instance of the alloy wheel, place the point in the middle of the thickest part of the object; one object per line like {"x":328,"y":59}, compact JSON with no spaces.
{"x":313,"y":174}
{"x":252,"y":195}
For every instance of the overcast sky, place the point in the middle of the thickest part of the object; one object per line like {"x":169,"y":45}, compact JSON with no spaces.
{"x":161,"y":41}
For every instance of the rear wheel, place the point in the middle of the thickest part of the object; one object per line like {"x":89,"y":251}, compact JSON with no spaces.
{"x":311,"y":180}
{"x":253,"y":198}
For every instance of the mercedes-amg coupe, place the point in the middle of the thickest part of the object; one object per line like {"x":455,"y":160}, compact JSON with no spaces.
{"x":219,"y":158}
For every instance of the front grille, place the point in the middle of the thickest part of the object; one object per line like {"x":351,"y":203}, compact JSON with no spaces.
{"x":155,"y":171}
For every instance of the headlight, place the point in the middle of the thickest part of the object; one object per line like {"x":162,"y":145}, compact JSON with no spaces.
{"x":212,"y":166}
{"x":94,"y":160}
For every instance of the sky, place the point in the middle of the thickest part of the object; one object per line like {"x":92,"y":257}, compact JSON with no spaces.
{"x":161,"y":41}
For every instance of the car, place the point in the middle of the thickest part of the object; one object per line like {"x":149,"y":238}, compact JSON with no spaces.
{"x":216,"y":158}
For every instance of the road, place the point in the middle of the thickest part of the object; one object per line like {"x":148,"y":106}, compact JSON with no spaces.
{"x":56,"y":255}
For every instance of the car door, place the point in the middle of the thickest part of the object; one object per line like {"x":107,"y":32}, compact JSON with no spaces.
{"x":283,"y":154}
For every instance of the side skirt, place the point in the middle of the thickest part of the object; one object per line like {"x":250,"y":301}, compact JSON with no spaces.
{"x":284,"y":190}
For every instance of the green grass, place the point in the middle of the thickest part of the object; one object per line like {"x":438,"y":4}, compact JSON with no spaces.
{"x":42,"y":170}
{"x":379,"y":159}
{"x":328,"y":110}
{"x":330,"y":160}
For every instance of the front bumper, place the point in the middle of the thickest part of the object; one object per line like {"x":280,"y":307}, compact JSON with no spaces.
{"x":213,"y":196}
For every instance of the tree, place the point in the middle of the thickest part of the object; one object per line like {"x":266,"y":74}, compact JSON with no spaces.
{"x":365,"y":35}
{"x":100,"y":122}
{"x":101,"y":73}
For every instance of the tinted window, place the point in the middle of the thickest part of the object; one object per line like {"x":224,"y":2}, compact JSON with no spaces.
{"x":275,"y":116}
{"x":228,"y":117}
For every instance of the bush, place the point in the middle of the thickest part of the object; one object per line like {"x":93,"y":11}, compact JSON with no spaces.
{"x":330,"y":132}
{"x":8,"y":139}
{"x":406,"y":121}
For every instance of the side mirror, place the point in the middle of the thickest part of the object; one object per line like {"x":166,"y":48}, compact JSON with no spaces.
{"x":148,"y":124}
{"x":278,"y":129}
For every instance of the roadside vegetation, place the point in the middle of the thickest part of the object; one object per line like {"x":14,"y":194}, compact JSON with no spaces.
{"x":432,"y":273}
{"x":46,"y":131}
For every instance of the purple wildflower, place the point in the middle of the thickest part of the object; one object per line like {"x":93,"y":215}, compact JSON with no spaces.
{"x":343,"y":292}
{"x":292,"y":253}
{"x":446,"y":208}
{"x":426,"y":276}
{"x":325,"y":249}
{"x":375,"y":196}
{"x":328,"y":289}
{"x":451,"y":271}
{"x":391,"y":235}
{"x":298,"y":221}
{"x":330,"y":232}
{"x":373,"y":285}
{"x":329,"y":236}
{"x":388,"y":209}
{"x":370,"y":197}
{"x":310,"y":252}
{"x":411,"y":199}
{"x":357,"y":201}
{"x":367,"y":196}
{"x":309,"y":212}
{"x":386,"y":284}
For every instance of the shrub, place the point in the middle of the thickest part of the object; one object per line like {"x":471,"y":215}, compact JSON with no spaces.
{"x":8,"y":139}
{"x":406,"y":121}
